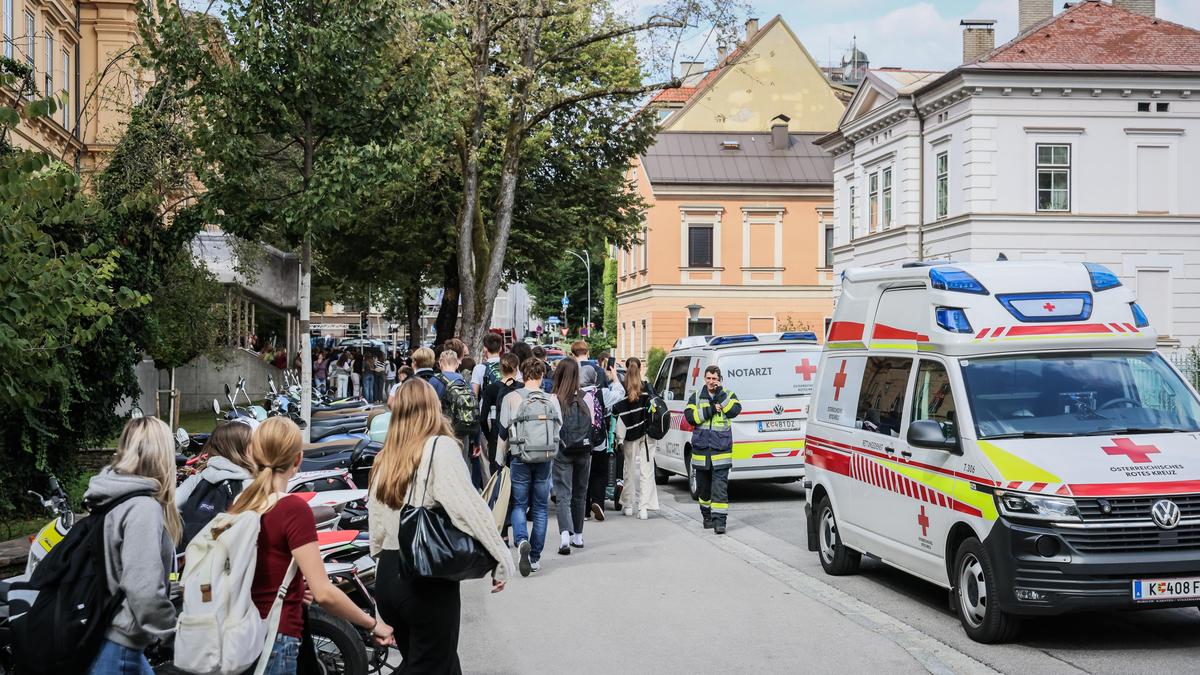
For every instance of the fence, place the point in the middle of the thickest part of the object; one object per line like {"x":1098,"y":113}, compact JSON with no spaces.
{"x":1188,"y":363}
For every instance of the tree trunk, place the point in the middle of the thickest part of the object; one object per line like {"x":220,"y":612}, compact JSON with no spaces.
{"x":481,"y":43}
{"x":305,"y":341}
{"x":412,"y":308}
{"x":447,"y":318}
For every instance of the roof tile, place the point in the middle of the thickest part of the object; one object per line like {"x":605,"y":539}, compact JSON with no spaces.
{"x":685,"y":157}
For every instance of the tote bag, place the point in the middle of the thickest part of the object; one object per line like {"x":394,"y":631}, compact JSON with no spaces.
{"x":432,"y":547}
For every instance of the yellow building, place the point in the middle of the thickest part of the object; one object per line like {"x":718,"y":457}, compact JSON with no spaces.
{"x":82,"y":48}
{"x":740,"y":201}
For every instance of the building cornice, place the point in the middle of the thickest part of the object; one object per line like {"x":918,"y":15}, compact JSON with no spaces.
{"x":824,"y":191}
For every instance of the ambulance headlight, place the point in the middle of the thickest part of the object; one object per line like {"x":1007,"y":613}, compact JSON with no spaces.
{"x":1037,"y":507}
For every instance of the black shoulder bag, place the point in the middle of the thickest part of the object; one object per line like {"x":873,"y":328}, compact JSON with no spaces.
{"x":431,"y":546}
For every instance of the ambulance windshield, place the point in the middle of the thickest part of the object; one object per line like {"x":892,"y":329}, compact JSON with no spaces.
{"x":1077,"y":394}
{"x":770,"y":373}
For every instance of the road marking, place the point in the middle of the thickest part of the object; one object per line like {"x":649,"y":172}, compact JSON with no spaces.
{"x":934,"y":655}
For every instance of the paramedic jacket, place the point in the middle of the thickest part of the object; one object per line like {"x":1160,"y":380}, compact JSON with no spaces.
{"x":712,"y":437}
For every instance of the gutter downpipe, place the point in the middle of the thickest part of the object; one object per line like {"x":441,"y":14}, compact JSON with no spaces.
{"x":920,"y":180}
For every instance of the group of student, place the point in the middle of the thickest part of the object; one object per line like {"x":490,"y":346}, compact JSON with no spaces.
{"x":424,"y":460}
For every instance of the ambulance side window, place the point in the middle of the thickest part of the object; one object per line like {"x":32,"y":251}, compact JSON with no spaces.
{"x":881,"y":399}
{"x":660,"y":382}
{"x":933,"y":398}
{"x":678,"y":382}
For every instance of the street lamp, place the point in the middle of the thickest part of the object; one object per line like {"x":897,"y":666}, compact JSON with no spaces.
{"x":588,"y":269}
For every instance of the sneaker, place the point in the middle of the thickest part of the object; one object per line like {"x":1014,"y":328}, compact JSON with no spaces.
{"x":564,"y":550}
{"x":642,"y":514}
{"x":719,"y":528}
{"x":628,"y":510}
{"x":523,"y":550}
{"x":597,"y":512}
{"x":708,"y":523}
{"x":577,"y":541}
{"x":535,"y":566}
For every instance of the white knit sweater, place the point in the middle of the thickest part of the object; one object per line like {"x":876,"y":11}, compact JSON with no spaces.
{"x":449,"y":486}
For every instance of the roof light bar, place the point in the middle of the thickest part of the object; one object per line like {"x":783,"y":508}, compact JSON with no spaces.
{"x":732,"y":340}
{"x":806,"y":336}
{"x":954,"y":279}
{"x":1102,"y":277}
{"x":1139,"y":317}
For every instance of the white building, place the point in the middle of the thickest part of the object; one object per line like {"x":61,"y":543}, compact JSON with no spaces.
{"x":1078,"y":140}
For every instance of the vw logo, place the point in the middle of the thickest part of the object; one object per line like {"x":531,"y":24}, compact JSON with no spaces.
{"x":1165,"y":514}
{"x":778,"y":409}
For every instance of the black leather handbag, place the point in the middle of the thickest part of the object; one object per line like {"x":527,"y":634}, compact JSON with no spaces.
{"x":432,"y":547}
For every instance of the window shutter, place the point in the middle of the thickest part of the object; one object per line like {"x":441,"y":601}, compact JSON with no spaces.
{"x":700,"y":246}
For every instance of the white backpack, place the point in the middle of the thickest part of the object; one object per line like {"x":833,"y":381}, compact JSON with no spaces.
{"x":220,"y":629}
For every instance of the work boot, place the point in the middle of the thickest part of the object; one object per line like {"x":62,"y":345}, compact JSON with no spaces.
{"x":719,"y":528}
{"x":708,"y":523}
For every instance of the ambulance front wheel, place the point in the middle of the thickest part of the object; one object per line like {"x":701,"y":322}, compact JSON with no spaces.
{"x":836,"y":558}
{"x":976,"y":596}
{"x":693,"y":488}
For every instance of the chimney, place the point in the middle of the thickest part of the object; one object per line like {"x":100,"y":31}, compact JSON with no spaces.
{"x":1139,"y":6}
{"x":779,"y":132}
{"x":690,"y":68}
{"x":722,"y":52}
{"x":979,"y":38}
{"x":751,"y":28}
{"x":1030,"y":12}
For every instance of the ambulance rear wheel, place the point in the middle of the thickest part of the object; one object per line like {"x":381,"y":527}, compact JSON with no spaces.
{"x":836,"y":558}
{"x":976,"y":596}
{"x":661,"y":477}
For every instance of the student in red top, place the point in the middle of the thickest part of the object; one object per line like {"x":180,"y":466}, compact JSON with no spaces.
{"x":289,"y":531}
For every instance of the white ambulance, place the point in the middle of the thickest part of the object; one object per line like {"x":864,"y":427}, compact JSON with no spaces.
{"x":772,"y":375}
{"x":1007,"y":431}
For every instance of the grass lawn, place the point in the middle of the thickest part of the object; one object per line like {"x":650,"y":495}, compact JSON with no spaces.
{"x":199,"y":422}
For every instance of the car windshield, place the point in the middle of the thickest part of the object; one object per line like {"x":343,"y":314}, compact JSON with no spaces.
{"x":1077,"y":394}
{"x":770,"y":373}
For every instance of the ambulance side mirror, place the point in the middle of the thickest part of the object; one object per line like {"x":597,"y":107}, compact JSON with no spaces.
{"x":929,"y":434}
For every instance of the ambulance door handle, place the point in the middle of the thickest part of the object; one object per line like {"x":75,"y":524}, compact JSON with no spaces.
{"x":906,"y":453}
{"x":890,"y":451}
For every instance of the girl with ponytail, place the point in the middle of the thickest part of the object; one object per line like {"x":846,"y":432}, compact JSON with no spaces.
{"x":288,"y":531}
{"x":639,"y":494}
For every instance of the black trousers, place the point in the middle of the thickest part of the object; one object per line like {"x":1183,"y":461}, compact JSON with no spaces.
{"x":712,"y":484}
{"x":425,"y":614}
{"x":598,"y":480}
{"x":570,"y":473}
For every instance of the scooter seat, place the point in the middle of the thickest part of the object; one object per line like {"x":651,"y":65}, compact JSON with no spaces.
{"x":317,"y":450}
{"x":340,"y":421}
{"x":318,"y":434}
{"x":340,"y":406}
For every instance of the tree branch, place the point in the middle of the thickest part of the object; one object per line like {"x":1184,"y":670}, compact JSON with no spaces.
{"x":652,"y":23}
{"x":549,"y":110}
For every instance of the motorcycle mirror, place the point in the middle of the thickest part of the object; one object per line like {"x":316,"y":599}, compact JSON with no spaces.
{"x":271,"y":383}
{"x":227,"y":391}
{"x":216,"y":407}
{"x":54,"y":487}
{"x":182,"y":438}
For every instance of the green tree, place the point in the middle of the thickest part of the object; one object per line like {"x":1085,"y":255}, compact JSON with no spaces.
{"x":301,"y":111}
{"x":610,"y":297}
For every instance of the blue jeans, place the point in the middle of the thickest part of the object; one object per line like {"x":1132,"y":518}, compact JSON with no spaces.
{"x":114,"y":659}
{"x":530,"y":481}
{"x":369,"y":386}
{"x":284,"y":655}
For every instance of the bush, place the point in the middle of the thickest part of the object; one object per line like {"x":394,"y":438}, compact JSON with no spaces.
{"x":654,"y":361}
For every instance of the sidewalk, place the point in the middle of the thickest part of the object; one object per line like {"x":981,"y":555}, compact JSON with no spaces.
{"x":656,"y":596}
{"x":14,"y":552}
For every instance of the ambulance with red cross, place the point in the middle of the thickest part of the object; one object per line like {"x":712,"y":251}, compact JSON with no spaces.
{"x":1006,"y":431}
{"x":772,"y":375}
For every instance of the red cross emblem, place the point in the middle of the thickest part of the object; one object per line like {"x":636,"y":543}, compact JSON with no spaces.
{"x":839,"y":381}
{"x":1048,"y":307}
{"x":695,"y":371}
{"x":1139,"y":454}
{"x":806,"y":369}
{"x":923,"y":521}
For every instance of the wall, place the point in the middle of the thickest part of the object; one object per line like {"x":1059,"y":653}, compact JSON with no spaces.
{"x":776,"y":76}
{"x":200,"y":381}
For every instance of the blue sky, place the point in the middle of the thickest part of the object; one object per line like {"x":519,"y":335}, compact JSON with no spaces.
{"x":907,"y":33}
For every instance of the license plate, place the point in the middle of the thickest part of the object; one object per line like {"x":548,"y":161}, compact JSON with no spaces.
{"x":779,"y":425}
{"x":1153,"y":590}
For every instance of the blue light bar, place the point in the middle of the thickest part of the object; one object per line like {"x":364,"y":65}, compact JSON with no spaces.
{"x":953,"y":319}
{"x":954,"y":279}
{"x":1102,"y":277}
{"x":807,"y":336}
{"x":731,"y":340}
{"x":1139,"y":317}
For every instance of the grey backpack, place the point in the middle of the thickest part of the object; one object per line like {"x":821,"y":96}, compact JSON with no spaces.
{"x":533,"y":434}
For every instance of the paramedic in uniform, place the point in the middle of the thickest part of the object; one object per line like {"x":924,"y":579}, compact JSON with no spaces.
{"x":709,"y":411}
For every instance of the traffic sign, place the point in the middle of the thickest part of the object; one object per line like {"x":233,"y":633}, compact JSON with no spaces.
{"x":565,"y":302}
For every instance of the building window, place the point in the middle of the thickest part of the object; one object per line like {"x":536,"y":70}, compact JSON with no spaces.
{"x":887,"y":197}
{"x":30,"y":29}
{"x":943,"y":184}
{"x":1143,"y":106}
{"x":69,"y":103}
{"x":853,"y":198}
{"x":829,"y":244}
{"x":9,"y":28}
{"x":1053,"y":177}
{"x":1162,"y":106}
{"x":645,"y":247}
{"x":873,"y":201}
{"x":700,"y":327}
{"x":48,"y":64}
{"x":643,"y":352}
{"x":700,"y":246}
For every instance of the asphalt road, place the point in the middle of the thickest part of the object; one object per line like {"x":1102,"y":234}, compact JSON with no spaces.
{"x":666,"y":596}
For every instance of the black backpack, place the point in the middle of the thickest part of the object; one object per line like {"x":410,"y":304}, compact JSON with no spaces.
{"x":576,"y":431}
{"x":460,"y":406}
{"x":658,"y":418}
{"x":59,"y":617}
{"x":205,"y":502}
